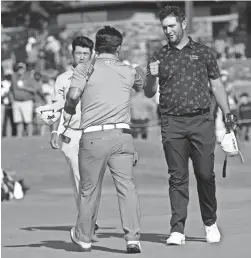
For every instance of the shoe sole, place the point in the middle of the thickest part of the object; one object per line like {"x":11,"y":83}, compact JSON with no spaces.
{"x":173,"y":243}
{"x":79,"y":246}
{"x":133,"y":249}
{"x":213,"y":242}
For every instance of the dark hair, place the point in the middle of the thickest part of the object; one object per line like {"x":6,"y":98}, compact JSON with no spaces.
{"x":107,"y":40}
{"x":172,"y":11}
{"x":244,"y":94}
{"x":82,"y":41}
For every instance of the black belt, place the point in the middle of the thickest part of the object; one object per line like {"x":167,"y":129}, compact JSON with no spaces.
{"x":197,"y":113}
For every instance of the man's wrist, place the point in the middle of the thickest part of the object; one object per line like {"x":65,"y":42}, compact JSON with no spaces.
{"x":56,"y":132}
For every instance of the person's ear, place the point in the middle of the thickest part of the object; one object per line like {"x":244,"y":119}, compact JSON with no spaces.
{"x":184,"y":24}
{"x":118,"y":49}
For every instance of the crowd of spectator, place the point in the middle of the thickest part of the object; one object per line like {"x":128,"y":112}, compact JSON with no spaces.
{"x":240,"y":105}
{"x":230,"y":43}
{"x":29,"y":83}
{"x":21,"y":92}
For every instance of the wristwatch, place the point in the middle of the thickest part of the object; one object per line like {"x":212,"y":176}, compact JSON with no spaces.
{"x":231,"y":121}
{"x":55,"y":132}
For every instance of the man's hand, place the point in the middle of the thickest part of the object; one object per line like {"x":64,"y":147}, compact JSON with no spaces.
{"x":135,"y":158}
{"x":154,"y":68}
{"x":70,"y":110}
{"x":54,"y":140}
{"x":230,"y":121}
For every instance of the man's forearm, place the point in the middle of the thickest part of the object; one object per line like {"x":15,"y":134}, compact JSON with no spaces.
{"x":150,"y":86}
{"x":221,"y":97}
{"x":54,"y":127}
{"x":72,"y":99}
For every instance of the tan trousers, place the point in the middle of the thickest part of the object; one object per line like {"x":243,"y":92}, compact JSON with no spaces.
{"x":96,"y":151}
{"x":71,"y":154}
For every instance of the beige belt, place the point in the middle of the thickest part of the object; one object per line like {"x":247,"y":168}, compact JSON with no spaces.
{"x":106,"y":127}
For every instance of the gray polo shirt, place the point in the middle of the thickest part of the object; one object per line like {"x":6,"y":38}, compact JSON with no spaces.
{"x":107,"y":95}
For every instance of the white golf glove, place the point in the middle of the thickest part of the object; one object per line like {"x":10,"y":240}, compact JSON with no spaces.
{"x":48,"y":114}
{"x":230,"y":146}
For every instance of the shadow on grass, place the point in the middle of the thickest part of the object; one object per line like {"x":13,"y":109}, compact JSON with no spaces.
{"x":62,"y":245}
{"x":149,"y":237}
{"x":70,"y":247}
{"x":56,"y":228}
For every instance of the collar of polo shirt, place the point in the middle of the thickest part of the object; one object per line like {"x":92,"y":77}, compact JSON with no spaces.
{"x":190,"y":44}
{"x":107,"y":55}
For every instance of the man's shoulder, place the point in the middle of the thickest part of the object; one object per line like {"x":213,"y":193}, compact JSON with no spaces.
{"x":65,"y":75}
{"x":160,"y":52}
{"x":202,"y":48}
{"x":130,"y":67}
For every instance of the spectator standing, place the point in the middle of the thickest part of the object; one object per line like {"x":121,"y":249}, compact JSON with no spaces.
{"x":23,"y":94}
{"x":244,"y":115}
{"x":6,"y":101}
{"x":8,"y":59}
{"x":142,"y":111}
{"x":48,"y":89}
{"x":32,"y":53}
{"x":38,"y":100}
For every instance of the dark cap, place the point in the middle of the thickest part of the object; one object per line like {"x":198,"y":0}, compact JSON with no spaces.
{"x":21,"y":65}
{"x":244,"y":94}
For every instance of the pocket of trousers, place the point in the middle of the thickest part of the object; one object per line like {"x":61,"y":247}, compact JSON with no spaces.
{"x":128,"y":144}
{"x":97,"y":147}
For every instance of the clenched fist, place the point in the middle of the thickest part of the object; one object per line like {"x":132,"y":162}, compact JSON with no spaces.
{"x":154,"y":68}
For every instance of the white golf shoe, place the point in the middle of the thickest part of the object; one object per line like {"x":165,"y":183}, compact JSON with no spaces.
{"x":176,"y":238}
{"x":212,"y":234}
{"x":84,"y":247}
{"x":133,"y":247}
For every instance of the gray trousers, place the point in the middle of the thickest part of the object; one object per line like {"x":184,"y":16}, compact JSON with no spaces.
{"x":70,"y":151}
{"x":193,"y":137}
{"x":96,"y":151}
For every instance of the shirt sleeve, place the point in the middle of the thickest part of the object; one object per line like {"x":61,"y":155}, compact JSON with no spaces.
{"x":58,"y":89}
{"x":79,"y":76}
{"x":212,"y":66}
{"x":139,"y":79}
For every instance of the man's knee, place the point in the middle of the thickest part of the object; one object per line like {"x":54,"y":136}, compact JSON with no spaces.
{"x":206,"y":176}
{"x":87,"y":189}
{"x":178,"y":178}
{"x":204,"y":170}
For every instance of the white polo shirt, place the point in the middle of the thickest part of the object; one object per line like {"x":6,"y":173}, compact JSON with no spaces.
{"x":61,"y":88}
